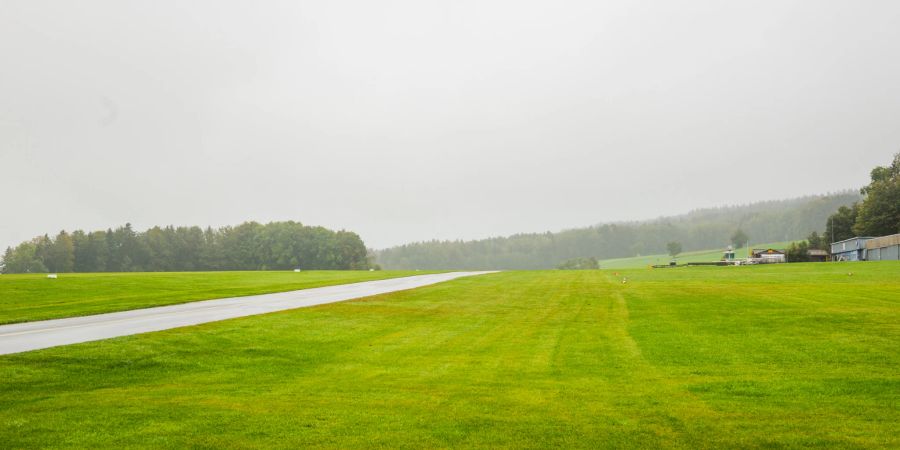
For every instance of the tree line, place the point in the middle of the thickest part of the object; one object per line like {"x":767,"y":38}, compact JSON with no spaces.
{"x":877,"y":214}
{"x":248,"y":246}
{"x":770,"y":221}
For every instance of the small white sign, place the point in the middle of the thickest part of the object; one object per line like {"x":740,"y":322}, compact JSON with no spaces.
{"x":51,"y":275}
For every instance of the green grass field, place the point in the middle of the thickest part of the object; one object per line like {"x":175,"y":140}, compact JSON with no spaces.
{"x":697,"y":256}
{"x":774,"y":356}
{"x":25,"y":298}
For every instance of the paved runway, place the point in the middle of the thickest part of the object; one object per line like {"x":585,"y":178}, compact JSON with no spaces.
{"x":22,"y":337}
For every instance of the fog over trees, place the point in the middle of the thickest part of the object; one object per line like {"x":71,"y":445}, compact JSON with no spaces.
{"x":873,"y":210}
{"x":763,"y":222}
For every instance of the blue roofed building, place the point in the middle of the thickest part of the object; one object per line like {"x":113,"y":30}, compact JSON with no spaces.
{"x":853,"y":249}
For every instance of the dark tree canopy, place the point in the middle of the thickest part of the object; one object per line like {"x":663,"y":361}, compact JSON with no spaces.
{"x":739,"y":238}
{"x":879,"y":212}
{"x":817,"y":242}
{"x":703,"y":229}
{"x":798,"y":252}
{"x":840,"y":224}
{"x":673,"y":248}
{"x":249,"y":246}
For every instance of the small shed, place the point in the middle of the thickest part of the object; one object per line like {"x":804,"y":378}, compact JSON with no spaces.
{"x":853,"y":249}
{"x":816,"y":255}
{"x":884,"y":248}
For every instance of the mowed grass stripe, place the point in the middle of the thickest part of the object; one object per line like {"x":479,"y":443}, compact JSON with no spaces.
{"x":515,"y":359}
{"x":811,"y":343}
{"x":25,"y":298}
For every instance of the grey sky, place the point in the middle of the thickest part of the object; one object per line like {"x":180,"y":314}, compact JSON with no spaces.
{"x":412,"y":120}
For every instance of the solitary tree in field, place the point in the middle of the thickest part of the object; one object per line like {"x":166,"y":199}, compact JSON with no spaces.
{"x":739,"y":238}
{"x":674,"y":248}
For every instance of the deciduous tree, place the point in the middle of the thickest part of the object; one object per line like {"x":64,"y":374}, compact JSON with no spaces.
{"x":816,"y":241}
{"x":879,"y":212}
{"x":798,"y":252}
{"x":840,"y":224}
{"x":674,"y":248}
{"x":249,"y":246}
{"x":739,"y":238}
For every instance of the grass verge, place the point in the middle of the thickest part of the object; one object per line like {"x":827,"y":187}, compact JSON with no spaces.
{"x":771,"y":356}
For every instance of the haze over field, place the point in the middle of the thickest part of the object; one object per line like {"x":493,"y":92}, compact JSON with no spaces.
{"x":410,"y":120}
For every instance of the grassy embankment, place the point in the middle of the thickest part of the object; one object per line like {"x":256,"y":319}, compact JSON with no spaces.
{"x":696,"y":256}
{"x":26,"y":298}
{"x":766,"y":356}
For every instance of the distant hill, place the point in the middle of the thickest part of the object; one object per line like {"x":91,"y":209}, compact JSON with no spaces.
{"x":769,"y":221}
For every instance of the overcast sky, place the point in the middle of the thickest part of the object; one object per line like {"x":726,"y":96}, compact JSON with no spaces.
{"x":413,"y":120}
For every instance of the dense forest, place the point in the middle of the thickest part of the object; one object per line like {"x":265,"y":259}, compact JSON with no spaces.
{"x":878,"y":214}
{"x":249,"y":246}
{"x":763,"y":222}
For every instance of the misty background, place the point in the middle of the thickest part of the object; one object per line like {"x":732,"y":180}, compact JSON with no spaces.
{"x":411,"y":120}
